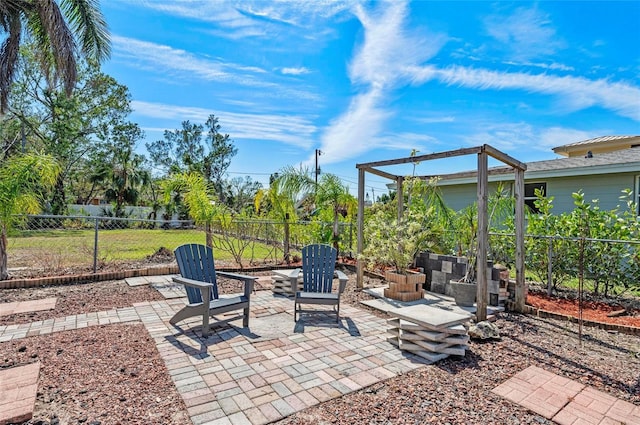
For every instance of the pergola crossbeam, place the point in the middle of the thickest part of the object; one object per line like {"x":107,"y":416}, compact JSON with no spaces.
{"x":481,"y":176}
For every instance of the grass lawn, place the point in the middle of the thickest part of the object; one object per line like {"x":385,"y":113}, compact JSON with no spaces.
{"x":57,"y":249}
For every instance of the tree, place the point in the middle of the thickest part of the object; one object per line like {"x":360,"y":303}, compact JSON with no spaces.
{"x":288,"y":189}
{"x":217,"y":161}
{"x":181,"y":150}
{"x":123,"y":170}
{"x":22,"y":178}
{"x":184,"y":150}
{"x":56,"y":31}
{"x":241,"y":193}
{"x":74,"y":128}
{"x":334,"y":195}
{"x":198,"y":196}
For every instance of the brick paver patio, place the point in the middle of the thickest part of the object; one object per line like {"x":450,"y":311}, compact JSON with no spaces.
{"x":276,"y":367}
{"x":564,"y":401}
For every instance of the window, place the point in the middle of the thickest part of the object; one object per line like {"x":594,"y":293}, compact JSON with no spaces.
{"x":530,"y":194}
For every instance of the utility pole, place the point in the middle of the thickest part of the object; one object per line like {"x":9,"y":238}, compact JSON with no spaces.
{"x":318,"y":153}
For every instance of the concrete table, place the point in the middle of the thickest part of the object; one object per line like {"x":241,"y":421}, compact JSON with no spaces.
{"x":429,"y":332}
{"x":281,"y":282}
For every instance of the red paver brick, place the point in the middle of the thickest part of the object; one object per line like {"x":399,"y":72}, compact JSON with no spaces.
{"x":18,"y":386}
{"x":582,"y":415}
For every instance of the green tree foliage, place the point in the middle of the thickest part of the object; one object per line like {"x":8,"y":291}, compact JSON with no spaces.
{"x":393,"y":242}
{"x":333,"y":196}
{"x":72,"y":129}
{"x":241,"y":193}
{"x":610,"y":265}
{"x":22,"y":180}
{"x":185,"y":150}
{"x":125,"y":177}
{"x":61,"y":32}
{"x":198,"y":196}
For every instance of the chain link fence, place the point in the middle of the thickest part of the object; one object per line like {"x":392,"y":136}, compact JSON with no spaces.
{"x":48,"y":244}
{"x":606,"y":266}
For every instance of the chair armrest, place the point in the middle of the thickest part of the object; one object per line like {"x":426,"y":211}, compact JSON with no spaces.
{"x":204,"y":287}
{"x":248,"y":280}
{"x":193,"y":283}
{"x":343,"y":281}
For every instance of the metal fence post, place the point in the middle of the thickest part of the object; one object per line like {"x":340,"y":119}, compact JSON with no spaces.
{"x":550,"y":265}
{"x":95,"y":248}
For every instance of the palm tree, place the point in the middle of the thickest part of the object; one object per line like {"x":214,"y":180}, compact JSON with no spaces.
{"x":21,"y":179}
{"x":199,"y":196}
{"x":125,"y":177}
{"x":54,"y":29}
{"x":286,"y":192}
{"x":333,"y":194}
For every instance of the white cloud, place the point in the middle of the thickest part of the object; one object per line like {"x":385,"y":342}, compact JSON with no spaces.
{"x":524,"y":141}
{"x":383,"y":62}
{"x":295,"y":71}
{"x":355,"y":131}
{"x":180,"y":64}
{"x":236,"y":19}
{"x":164,"y":57}
{"x":291,"y":130}
{"x":524,"y":35}
{"x":436,"y":119}
{"x":574,"y":93}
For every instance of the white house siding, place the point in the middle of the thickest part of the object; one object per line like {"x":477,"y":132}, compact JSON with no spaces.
{"x":459,"y":196}
{"x":607,"y":188}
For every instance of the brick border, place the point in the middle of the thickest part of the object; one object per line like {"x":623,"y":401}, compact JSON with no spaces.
{"x":86,"y":277}
{"x":531,"y":310}
{"x":125,"y":274}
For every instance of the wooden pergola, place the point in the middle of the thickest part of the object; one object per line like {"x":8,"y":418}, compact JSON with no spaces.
{"x":482,"y":173}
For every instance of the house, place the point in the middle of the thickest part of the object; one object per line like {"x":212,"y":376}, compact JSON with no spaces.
{"x":600,"y":167}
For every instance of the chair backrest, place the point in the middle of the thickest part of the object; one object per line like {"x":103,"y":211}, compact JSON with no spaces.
{"x":318,"y":265}
{"x":195,"y":262}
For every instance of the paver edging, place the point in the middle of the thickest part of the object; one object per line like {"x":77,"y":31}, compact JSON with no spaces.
{"x":86,"y":277}
{"x":531,"y":310}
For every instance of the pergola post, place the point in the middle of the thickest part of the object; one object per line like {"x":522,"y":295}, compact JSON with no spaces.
{"x":521,"y":289}
{"x":400,"y":197}
{"x":360,"y":244}
{"x":483,"y":235}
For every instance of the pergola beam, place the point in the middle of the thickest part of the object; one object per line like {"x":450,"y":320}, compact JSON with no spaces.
{"x":482,"y":187}
{"x":420,"y":158}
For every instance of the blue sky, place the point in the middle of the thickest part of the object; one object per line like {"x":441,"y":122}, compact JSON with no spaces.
{"x":368,"y":81}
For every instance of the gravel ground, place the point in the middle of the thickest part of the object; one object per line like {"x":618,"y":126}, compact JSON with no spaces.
{"x":114,"y":375}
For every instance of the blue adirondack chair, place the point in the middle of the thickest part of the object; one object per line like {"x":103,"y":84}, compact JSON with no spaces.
{"x":198,"y":275}
{"x":318,"y":272}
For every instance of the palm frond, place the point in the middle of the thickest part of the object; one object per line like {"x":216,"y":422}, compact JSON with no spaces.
{"x":9,"y":55}
{"x":88,"y":23}
{"x":55,"y":39}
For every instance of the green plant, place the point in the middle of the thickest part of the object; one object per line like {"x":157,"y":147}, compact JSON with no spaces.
{"x":393,"y":242}
{"x":22,"y":178}
{"x":499,"y":210}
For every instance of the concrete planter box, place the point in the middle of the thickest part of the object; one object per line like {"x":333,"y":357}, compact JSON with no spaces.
{"x":463,"y":293}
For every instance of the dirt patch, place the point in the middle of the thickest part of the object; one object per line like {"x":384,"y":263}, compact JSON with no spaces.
{"x":595,"y":311}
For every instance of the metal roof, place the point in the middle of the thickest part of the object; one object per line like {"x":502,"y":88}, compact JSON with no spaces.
{"x":594,"y":141}
{"x":624,"y":156}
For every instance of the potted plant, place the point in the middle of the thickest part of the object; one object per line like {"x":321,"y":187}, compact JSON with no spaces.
{"x":465,"y":289}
